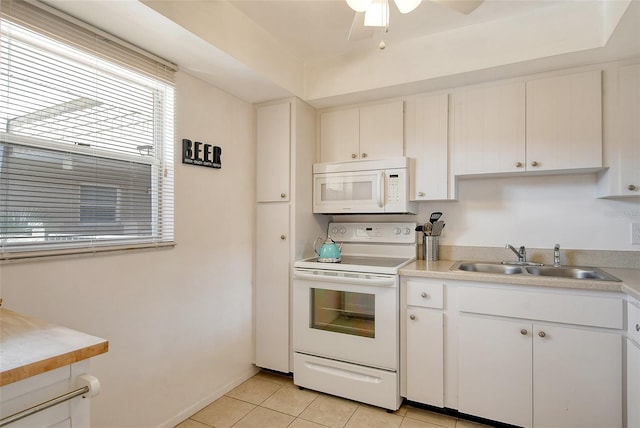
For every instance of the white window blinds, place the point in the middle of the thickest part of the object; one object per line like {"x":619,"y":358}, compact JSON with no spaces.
{"x":86,"y":138}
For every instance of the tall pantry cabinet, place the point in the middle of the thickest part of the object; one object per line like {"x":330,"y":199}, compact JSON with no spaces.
{"x":285,"y":225}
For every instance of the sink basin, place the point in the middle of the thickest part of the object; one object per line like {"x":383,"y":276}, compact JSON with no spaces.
{"x":573,"y":272}
{"x":498,"y":268}
{"x":570,"y":272}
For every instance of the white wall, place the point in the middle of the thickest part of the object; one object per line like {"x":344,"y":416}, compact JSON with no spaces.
{"x":537,"y":212}
{"x":178,"y":321}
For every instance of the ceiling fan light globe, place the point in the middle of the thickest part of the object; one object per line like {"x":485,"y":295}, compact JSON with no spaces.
{"x":377,"y":15}
{"x":359,"y":5}
{"x":406,"y":6}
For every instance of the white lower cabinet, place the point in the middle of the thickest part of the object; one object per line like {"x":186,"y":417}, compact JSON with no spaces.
{"x":423,"y":341}
{"x":534,"y":372}
{"x":272,"y":287}
{"x":633,"y":363}
{"x":633,"y":385}
{"x":494,"y":369}
{"x":31,"y":392}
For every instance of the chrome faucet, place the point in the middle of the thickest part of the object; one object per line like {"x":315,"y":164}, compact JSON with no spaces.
{"x":521,"y":253}
{"x":556,"y":256}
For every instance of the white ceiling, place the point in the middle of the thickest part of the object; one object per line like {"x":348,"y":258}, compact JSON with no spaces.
{"x":266,"y":49}
{"x":317,"y":29}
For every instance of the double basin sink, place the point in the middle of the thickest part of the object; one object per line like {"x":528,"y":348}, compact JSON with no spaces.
{"x":533,"y":269}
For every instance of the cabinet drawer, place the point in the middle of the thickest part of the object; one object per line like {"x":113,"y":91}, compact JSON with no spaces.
{"x":425,"y":293}
{"x":554,"y":306}
{"x":633,"y":321}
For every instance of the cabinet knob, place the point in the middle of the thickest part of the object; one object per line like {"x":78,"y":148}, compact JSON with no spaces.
{"x":424,"y":295}
{"x":637,"y":327}
{"x":283,"y":195}
{"x":420,"y":193}
{"x":283,"y":237}
{"x":632,"y":187}
{"x":524,"y":332}
{"x":364,"y":155}
{"x":518,"y":164}
{"x":353,"y":155}
{"x":534,"y":163}
{"x":542,"y":334}
{"x":412,"y":316}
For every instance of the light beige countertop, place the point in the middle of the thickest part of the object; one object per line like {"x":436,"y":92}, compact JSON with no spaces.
{"x":30,"y":346}
{"x":440,"y":269}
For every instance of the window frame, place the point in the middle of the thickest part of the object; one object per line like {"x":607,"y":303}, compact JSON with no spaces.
{"x":161,"y":163}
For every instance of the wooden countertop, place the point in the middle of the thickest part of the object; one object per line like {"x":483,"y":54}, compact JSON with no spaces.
{"x":30,"y":346}
{"x":630,"y":278}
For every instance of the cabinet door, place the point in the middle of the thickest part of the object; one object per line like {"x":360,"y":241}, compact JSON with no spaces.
{"x":425,"y":356}
{"x":494,"y":369}
{"x":633,"y":385}
{"x":427,"y":131}
{"x":339,"y":135}
{"x":272,"y":287}
{"x":489,"y":129}
{"x":577,"y":377}
{"x":629,"y":93}
{"x":273,"y":136}
{"x":564,"y":122}
{"x":381,"y":130}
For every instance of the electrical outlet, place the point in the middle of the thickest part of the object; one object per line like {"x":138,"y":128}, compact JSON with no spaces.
{"x":635,"y":233}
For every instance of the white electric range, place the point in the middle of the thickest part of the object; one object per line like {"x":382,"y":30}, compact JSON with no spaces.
{"x":346,"y":315}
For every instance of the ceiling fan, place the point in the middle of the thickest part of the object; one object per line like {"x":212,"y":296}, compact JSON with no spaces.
{"x":375,"y":13}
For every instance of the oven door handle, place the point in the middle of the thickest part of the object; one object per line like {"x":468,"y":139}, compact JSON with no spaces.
{"x":380,"y":282}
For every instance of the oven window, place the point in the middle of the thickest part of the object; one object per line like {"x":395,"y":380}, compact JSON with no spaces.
{"x":343,"y":312}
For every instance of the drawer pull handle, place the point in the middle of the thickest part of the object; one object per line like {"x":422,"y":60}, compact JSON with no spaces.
{"x":524,"y":332}
{"x":542,"y":334}
{"x":424,"y":295}
{"x":412,"y":316}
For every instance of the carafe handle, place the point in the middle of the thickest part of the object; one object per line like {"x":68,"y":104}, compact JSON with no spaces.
{"x":315,"y":242}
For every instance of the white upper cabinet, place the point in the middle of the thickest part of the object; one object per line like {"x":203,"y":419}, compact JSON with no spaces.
{"x":564,"y":122}
{"x":426,"y":134}
{"x":547,"y":124}
{"x":339,"y":135}
{"x":370,"y":132}
{"x":273,"y":136}
{"x":489,"y":129}
{"x":622,"y":125}
{"x":629,"y":93}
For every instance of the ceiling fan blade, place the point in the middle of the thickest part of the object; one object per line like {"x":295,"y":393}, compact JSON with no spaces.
{"x":358,"y":31}
{"x":406,"y":6}
{"x":462,"y":6}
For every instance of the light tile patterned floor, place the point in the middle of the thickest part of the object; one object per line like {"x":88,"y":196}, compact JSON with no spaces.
{"x":271,"y":401}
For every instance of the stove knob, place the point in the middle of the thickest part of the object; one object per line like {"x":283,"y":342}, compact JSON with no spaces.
{"x":397,"y":230}
{"x":343,"y":230}
{"x":334,"y":230}
{"x":407,"y":230}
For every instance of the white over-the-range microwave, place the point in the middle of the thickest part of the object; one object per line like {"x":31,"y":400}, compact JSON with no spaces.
{"x":363,"y":187}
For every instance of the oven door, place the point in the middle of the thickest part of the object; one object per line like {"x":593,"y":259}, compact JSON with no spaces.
{"x":346,"y":316}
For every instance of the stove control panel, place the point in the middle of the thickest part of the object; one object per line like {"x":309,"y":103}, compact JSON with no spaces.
{"x":400,"y":233}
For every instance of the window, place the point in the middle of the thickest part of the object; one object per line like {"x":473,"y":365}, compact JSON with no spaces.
{"x":98,"y":204}
{"x":86,"y":138}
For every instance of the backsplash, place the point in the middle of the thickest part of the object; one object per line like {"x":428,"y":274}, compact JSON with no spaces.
{"x":570,"y":257}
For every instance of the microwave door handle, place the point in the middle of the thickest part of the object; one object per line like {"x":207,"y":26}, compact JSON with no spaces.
{"x":381,"y":189}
